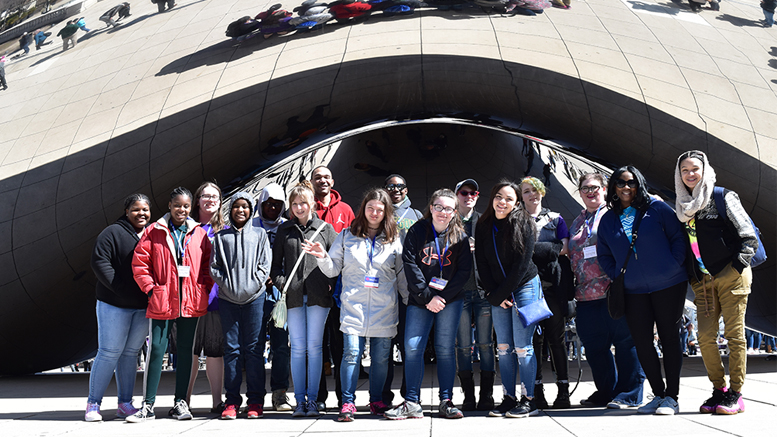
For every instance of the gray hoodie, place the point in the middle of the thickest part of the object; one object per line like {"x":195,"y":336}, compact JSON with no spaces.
{"x":241,"y":259}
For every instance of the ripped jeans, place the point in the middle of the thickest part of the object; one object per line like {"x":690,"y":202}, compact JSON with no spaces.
{"x":514,"y":342}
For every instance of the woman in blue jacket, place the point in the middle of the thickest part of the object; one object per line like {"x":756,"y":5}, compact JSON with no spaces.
{"x":655,"y":281}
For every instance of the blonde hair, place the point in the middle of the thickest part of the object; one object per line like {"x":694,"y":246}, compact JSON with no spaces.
{"x":534,"y":182}
{"x":217,"y":221}
{"x":304,"y":190}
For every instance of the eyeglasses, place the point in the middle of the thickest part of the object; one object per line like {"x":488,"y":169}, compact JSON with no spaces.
{"x":590,"y":189}
{"x":469,"y":193}
{"x":620,"y":183}
{"x":396,"y":187}
{"x":209,"y":197}
{"x":439,"y":208}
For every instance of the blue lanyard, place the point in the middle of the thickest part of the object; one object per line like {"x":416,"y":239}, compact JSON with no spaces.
{"x":371,"y":253}
{"x":590,"y":226}
{"x":437,"y":246}
{"x":180,"y":244}
{"x":496,"y":251}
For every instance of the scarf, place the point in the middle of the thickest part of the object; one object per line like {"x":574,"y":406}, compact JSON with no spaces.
{"x":687,"y":204}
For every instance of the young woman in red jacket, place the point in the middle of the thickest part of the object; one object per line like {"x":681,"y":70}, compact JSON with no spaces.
{"x":171,"y":265}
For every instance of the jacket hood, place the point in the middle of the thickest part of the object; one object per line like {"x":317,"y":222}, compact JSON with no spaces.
{"x":335,"y":198}
{"x":164,"y":222}
{"x":247,"y":197}
{"x":272,"y":191}
{"x":124,"y":222}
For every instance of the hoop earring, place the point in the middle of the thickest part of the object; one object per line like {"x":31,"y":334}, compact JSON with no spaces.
{"x":614,"y":197}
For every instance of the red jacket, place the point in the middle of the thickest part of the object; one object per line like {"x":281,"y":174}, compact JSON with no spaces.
{"x":338,"y":213}
{"x":155,"y":269}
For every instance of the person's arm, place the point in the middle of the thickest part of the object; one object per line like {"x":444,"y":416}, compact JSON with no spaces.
{"x":218,"y":271}
{"x":399,"y":268}
{"x":674,"y":231}
{"x":483,"y":243}
{"x":104,"y":250}
{"x":517,"y":270}
{"x":276,"y":271}
{"x":206,"y":248}
{"x":265,"y":257}
{"x":416,"y":282}
{"x":744,"y":228}
{"x":142,"y":268}
{"x":562,"y":233}
{"x":463,"y":270}
{"x":604,"y":253}
{"x":331,"y":264}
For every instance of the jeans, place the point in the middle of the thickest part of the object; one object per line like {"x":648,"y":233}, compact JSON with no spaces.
{"x":243,"y":348}
{"x":417,"y":326}
{"x":514,"y":342}
{"x":620,"y":378}
{"x":332,"y":350}
{"x":380,"y":350}
{"x":121,"y":333}
{"x":478,"y":309}
{"x":753,"y":339}
{"x":306,"y":333}
{"x":769,"y":17}
{"x":399,"y":340}
{"x":279,"y":349}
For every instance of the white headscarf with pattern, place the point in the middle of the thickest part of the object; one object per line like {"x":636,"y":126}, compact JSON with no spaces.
{"x":687,"y":204}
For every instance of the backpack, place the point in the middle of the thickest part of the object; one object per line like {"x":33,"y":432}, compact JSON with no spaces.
{"x":718,"y":194}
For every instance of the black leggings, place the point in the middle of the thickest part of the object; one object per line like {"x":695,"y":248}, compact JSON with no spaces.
{"x":553,"y":330}
{"x":664,"y":308}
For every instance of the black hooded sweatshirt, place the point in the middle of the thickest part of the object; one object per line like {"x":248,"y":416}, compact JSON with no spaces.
{"x":112,"y":264}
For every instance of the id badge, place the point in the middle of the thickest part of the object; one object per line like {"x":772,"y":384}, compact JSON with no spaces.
{"x":438,"y":283}
{"x":371,"y":281}
{"x":589,"y":252}
{"x":183,"y":271}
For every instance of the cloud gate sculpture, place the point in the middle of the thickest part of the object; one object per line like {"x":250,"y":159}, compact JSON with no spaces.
{"x":166,"y":100}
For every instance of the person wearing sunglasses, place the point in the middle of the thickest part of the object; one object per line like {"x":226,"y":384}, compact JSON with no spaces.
{"x":404,"y":215}
{"x":438,"y":263}
{"x":506,"y":237}
{"x":655,"y":281}
{"x":476,"y":309}
{"x":618,"y":379}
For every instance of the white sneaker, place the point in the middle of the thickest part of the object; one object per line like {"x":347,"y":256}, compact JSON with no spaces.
{"x":668,"y":407}
{"x":650,"y":407}
{"x":617,"y":404}
{"x":93,"y":413}
{"x":181,"y":411}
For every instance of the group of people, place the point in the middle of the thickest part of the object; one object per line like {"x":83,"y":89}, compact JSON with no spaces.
{"x":392,"y":274}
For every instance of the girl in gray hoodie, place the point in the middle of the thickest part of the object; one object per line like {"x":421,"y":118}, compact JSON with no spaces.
{"x":240,"y":264}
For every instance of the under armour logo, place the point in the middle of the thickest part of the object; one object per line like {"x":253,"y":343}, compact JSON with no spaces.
{"x":431,"y":257}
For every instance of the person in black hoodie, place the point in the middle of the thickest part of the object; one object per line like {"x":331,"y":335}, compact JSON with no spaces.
{"x":438,"y":264}
{"x":506,"y":237}
{"x":121,"y":309}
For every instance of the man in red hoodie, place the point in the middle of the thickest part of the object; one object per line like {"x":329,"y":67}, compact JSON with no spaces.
{"x":333,"y":210}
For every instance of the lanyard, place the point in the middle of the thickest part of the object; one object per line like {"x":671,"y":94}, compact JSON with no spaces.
{"x":590,"y":226}
{"x":180,"y":244}
{"x":496,"y":251}
{"x":437,"y":246}
{"x":371,"y":253}
{"x":403,"y":215}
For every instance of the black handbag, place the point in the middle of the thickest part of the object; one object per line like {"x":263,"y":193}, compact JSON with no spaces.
{"x":616,"y":303}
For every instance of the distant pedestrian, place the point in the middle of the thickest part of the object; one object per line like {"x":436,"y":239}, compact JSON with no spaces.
{"x":122,"y":10}
{"x":768,"y":8}
{"x":24,"y":42}
{"x":68,"y":34}
{"x":40,"y":36}
{"x":161,"y":4}
{"x":82,"y":25}
{"x":2,"y":73}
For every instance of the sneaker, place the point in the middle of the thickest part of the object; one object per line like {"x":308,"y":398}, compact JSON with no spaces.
{"x":93,"y":413}
{"x":709,"y":406}
{"x":146,"y":412}
{"x":650,"y":407}
{"x":218,"y":409}
{"x":299,"y":410}
{"x":731,"y":404}
{"x":181,"y":411}
{"x":508,"y":403}
{"x":311,"y":409}
{"x":525,"y":408}
{"x":595,"y":400}
{"x":125,"y":410}
{"x":449,"y":411}
{"x":230,"y":412}
{"x":280,"y":402}
{"x":405,"y":410}
{"x":346,"y":413}
{"x":668,"y":407}
{"x":378,"y":408}
{"x":255,"y":411}
{"x":617,"y":404}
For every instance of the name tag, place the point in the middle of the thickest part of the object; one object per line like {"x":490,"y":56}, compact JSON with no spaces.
{"x":589,"y":252}
{"x":438,"y":283}
{"x":371,"y":281}
{"x":183,"y":271}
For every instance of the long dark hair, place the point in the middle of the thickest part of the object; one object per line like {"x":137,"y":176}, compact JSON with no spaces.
{"x":456,"y":230}
{"x":388,"y":225}
{"x":641,"y":200}
{"x":516,"y":219}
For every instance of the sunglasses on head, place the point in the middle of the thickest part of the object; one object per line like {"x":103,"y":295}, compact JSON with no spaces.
{"x":620,"y":183}
{"x":396,"y":187}
{"x":466,"y":193}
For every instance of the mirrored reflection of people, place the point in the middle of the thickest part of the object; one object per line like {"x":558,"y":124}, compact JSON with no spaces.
{"x":81,"y":22}
{"x":121,"y":309}
{"x":165,"y":5}
{"x":24,"y":42}
{"x":120,"y":11}
{"x":3,"y":82}
{"x":719,"y":254}
{"x":619,"y":379}
{"x":768,"y":7}
{"x":655,"y":281}
{"x":68,"y":35}
{"x":40,"y":38}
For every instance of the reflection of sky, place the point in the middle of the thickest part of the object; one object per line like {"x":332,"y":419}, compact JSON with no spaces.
{"x":668,"y":10}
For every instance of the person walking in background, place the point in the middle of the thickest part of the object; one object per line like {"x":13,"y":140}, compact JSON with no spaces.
{"x":240,"y":265}
{"x":768,"y":8}
{"x":122,"y":10}
{"x":721,"y":244}
{"x":160,"y":4}
{"x":369,"y":256}
{"x":81,"y":23}
{"x":40,"y":37}
{"x":506,"y":236}
{"x":68,"y":34}
{"x":475,"y":311}
{"x":3,"y":82}
{"x":438,"y":262}
{"x":309,"y":294}
{"x":121,"y":309}
{"x":619,"y":379}
{"x":24,"y":42}
{"x":171,"y":265}
{"x":655,"y":281}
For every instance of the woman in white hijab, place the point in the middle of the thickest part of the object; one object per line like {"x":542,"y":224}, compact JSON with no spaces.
{"x":721,"y":245}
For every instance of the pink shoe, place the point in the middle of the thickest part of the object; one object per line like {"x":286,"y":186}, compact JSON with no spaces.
{"x":732,"y":404}
{"x":710,"y":405}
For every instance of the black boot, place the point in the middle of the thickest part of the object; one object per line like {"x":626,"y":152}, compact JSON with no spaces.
{"x":486,"y":401}
{"x":562,"y":399}
{"x":468,"y":386}
{"x":539,"y":397}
